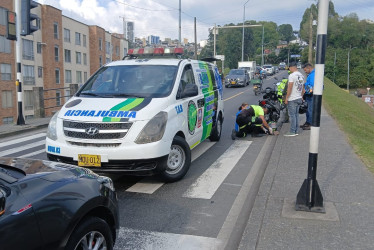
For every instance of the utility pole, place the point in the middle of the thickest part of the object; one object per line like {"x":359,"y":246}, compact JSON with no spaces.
{"x":180,"y":22}
{"x":195,"y":40}
{"x":310,"y":49}
{"x":243,"y":31}
{"x":262,"y":47}
{"x":214,"y":40}
{"x":20,"y":119}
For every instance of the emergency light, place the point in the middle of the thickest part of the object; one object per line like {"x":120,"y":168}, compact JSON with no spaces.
{"x":155,"y":52}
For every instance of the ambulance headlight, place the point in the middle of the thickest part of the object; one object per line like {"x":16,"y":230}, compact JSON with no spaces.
{"x":154,"y":130}
{"x":52,"y":132}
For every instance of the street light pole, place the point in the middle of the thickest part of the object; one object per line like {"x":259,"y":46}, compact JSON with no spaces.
{"x":243,"y":31}
{"x":262,"y":48}
{"x":348,"y":66}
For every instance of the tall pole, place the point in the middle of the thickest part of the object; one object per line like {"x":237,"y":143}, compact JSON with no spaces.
{"x":20,"y":119}
{"x":180,"y":22}
{"x":262,"y":47}
{"x":310,"y":48}
{"x":334,"y":66}
{"x":214,"y":40}
{"x":195,"y":40}
{"x":349,"y":51}
{"x":309,"y":197}
{"x":243,"y":31}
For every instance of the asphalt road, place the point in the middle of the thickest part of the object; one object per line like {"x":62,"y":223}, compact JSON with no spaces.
{"x":199,"y":212}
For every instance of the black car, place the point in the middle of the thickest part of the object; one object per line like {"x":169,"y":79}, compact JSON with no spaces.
{"x":51,"y":205}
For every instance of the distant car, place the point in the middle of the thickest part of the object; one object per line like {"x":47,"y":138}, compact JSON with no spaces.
{"x":299,"y":65}
{"x":276,"y":68}
{"x":269,"y":69}
{"x":237,"y":78}
{"x":282,"y":66}
{"x":51,"y":205}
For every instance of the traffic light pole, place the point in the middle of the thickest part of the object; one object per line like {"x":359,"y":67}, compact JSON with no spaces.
{"x":20,"y":119}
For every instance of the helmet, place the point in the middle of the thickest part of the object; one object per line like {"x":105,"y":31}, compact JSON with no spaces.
{"x":303,"y":108}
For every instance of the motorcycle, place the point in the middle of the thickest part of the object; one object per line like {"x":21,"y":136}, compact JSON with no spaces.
{"x":271,"y":102}
{"x":257,"y":86}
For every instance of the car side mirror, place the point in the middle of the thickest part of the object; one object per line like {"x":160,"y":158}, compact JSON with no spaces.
{"x":190,"y":90}
{"x":2,"y":202}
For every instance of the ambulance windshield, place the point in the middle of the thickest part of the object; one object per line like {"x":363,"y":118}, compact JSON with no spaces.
{"x":131,"y":81}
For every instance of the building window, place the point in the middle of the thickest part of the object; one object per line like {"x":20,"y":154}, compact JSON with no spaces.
{"x":84,"y":40}
{"x":58,"y":98}
{"x":4,"y":45}
{"x":78,"y":57}
{"x":100,"y":44}
{"x":57,"y":75}
{"x":117,"y":51}
{"x":84,"y":58}
{"x":79,"y":76}
{"x":67,"y":94}
{"x":107,"y":60}
{"x":55,"y":30}
{"x":40,"y":72}
{"x":57,"y":53}
{"x":67,"y":35}
{"x":28,"y":75}
{"x":29,"y":100}
{"x":27,"y":49}
{"x":77,"y":38}
{"x":68,"y":78}
{"x":7,"y":99}
{"x":38,"y":47}
{"x":8,"y":120}
{"x":6,"y":72}
{"x":107,"y":47}
{"x":3,"y":16}
{"x":28,"y":117}
{"x":67,"y":56}
{"x":85,"y":76}
{"x":100,"y":61}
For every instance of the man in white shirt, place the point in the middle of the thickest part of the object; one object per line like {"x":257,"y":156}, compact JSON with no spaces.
{"x":294,"y":97}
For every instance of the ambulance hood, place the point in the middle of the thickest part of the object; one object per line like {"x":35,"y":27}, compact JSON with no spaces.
{"x":112,"y":109}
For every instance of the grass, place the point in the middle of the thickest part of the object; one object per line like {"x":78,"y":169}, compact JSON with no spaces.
{"x":355,"y":118}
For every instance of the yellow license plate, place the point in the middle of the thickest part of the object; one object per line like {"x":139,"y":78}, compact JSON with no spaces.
{"x":89,"y":160}
{"x":233,"y":82}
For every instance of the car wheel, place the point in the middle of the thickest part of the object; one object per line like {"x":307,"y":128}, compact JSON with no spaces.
{"x":178,"y":161}
{"x":92,"y":233}
{"x":215,"y":134}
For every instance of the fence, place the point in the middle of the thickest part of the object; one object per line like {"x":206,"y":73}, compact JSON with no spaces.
{"x":39,"y":100}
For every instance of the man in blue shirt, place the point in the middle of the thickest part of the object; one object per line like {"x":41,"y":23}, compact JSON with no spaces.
{"x":308,"y":95}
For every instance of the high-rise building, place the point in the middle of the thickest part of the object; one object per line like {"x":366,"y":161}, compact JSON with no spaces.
{"x":130,"y":36}
{"x":153,"y":40}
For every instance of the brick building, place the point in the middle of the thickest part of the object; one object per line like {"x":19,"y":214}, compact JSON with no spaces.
{"x":63,"y":52}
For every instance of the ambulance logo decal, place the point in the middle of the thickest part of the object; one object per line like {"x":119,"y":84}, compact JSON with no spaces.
{"x":192,"y":117}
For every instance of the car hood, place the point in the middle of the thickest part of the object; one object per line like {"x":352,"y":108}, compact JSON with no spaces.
{"x":235,"y":76}
{"x":47,"y":170}
{"x":112,"y":109}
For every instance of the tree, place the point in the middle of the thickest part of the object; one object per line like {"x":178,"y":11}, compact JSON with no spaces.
{"x":286,"y":32}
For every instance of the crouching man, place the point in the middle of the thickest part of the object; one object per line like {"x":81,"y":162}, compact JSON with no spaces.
{"x":251,"y":120}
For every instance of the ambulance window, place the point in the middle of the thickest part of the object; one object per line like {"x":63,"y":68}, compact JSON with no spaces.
{"x":213,"y":77}
{"x":187,"y":78}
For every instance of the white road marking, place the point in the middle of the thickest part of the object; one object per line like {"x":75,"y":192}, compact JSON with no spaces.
{"x":208,"y":183}
{"x":144,"y":240}
{"x":33,"y":153}
{"x":24,"y":147}
{"x":23,"y":139}
{"x":148,"y":185}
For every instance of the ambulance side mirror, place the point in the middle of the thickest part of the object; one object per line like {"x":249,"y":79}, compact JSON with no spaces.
{"x":2,"y":201}
{"x":190,"y":90}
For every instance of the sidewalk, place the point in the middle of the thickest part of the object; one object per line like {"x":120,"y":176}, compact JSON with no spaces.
{"x":32,"y":124}
{"x":347,"y":188}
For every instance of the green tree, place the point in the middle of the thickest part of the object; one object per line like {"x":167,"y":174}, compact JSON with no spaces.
{"x":286,"y":32}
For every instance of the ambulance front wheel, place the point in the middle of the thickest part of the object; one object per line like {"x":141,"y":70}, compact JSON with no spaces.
{"x":178,"y":161}
{"x":215,"y":133}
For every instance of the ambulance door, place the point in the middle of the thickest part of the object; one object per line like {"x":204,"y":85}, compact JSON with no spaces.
{"x":191,"y":107}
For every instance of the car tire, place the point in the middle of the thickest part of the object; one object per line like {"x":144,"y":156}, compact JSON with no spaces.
{"x":91,"y":226}
{"x":215,"y":134}
{"x":178,"y":162}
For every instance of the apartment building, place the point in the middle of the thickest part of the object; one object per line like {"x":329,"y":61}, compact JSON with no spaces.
{"x":63,"y":52}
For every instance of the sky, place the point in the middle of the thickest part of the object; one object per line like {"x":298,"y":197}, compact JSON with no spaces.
{"x":161,"y":17}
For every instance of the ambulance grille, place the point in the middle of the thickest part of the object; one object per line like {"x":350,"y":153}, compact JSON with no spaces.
{"x":96,"y":131}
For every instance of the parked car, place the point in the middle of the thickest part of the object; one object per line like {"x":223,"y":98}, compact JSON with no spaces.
{"x":51,"y":205}
{"x":237,"y":78}
{"x":276,"y":69}
{"x":269,"y":69}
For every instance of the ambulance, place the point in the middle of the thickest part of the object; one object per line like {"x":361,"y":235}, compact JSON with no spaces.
{"x":140,"y":116}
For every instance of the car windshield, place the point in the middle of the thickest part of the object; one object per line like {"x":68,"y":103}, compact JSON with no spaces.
{"x":131,"y":81}
{"x":267,"y":66}
{"x":236,"y":72}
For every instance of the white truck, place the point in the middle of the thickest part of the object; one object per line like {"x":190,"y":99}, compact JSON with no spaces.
{"x":250,"y":66}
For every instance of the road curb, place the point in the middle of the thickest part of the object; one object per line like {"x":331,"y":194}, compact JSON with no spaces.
{"x":23,"y":129}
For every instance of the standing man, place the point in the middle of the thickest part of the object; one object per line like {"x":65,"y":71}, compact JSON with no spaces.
{"x":295,"y":91}
{"x":308,"y":95}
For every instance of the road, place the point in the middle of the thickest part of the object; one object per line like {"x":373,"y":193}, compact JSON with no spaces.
{"x":206,"y":209}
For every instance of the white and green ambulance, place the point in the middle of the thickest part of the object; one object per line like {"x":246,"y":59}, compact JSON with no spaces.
{"x":139,"y":116}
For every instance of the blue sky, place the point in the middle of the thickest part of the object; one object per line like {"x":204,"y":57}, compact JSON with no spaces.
{"x":161,"y":17}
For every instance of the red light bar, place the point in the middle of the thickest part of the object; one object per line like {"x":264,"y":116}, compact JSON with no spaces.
{"x":178,"y":51}
{"x":131,"y":51}
{"x":158,"y":51}
{"x":141,"y":51}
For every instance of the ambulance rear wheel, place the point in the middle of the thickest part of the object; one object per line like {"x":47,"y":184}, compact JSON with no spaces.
{"x":178,"y":161}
